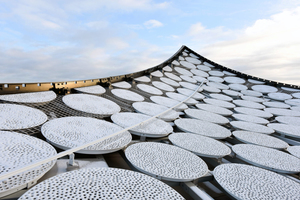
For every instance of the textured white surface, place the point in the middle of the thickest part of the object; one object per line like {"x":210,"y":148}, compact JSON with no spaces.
{"x":206,"y":116}
{"x":248,"y":126}
{"x":71,"y":132}
{"x":19,"y":117}
{"x":181,"y":97}
{"x":296,"y":95}
{"x":32,"y":97}
{"x":199,"y":73}
{"x":180,"y":70}
{"x":290,"y":89}
{"x":207,"y":64}
{"x":237,"y":87}
{"x":216,"y":73}
{"x":273,"y":104}
{"x":163,"y":86}
{"x":260,"y":139}
{"x":19,"y":150}
{"x":168,"y":102}
{"x":167,"y":69}
{"x":193,"y":60}
{"x":95,"y":89}
{"x":122,"y":84}
{"x":279,"y":96}
{"x":250,"y":118}
{"x":251,"y":93}
{"x":157,"y":74}
{"x":294,"y":150}
{"x":203,"y":68}
{"x":229,"y":73}
{"x":143,"y":79}
{"x":218,"y":85}
{"x":254,"y":99}
{"x":202,"y":128}
{"x":264,"y":89}
{"x":210,"y":89}
{"x":254,"y":112}
{"x":254,"y":183}
{"x":220,"y":103}
{"x":289,"y":120}
{"x":232,"y":93}
{"x":102,"y":183}
{"x":152,"y":128}
{"x":166,"y":161}
{"x":267,"y":158}
{"x":173,"y":76}
{"x":234,"y":80}
{"x":188,"y":92}
{"x":169,"y":81}
{"x":91,"y":104}
{"x":187,"y":65}
{"x":248,"y":104}
{"x":188,"y":79}
{"x":221,"y":97}
{"x":255,"y":81}
{"x":199,"y":79}
{"x":127,"y":95}
{"x":215,"y":79}
{"x":286,"y":129}
{"x":293,"y":102}
{"x":283,"y":112}
{"x":153,"y":109}
{"x":149,"y":89}
{"x":190,"y":86}
{"x":200,"y":145}
{"x":215,"y":109}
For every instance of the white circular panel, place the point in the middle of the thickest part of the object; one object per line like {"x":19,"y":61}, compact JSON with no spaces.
{"x":255,"y":81}
{"x":20,"y":117}
{"x":290,"y":89}
{"x":144,"y":79}
{"x":293,"y":102}
{"x":286,"y":129}
{"x":273,"y":104}
{"x":215,"y":79}
{"x":127,"y":95}
{"x":166,"y":161}
{"x":188,"y":92}
{"x":283,"y":112}
{"x":31,"y":97}
{"x":248,"y":104}
{"x":157,"y":73}
{"x":260,"y":139}
{"x":172,"y":76}
{"x":167,"y":69}
{"x":200,"y":145}
{"x":199,"y":73}
{"x":180,"y":70}
{"x":153,"y":128}
{"x":210,"y":89}
{"x":254,"y":112}
{"x":289,"y":120}
{"x":149,"y":89}
{"x":248,"y":126}
{"x":249,"y":182}
{"x":101,"y":183}
{"x":296,"y":95}
{"x":170,"y":82}
{"x":168,"y":102}
{"x":264,"y":88}
{"x":237,"y":87}
{"x":188,"y":79}
{"x":250,"y":118}
{"x":163,"y":86}
{"x":190,"y":86}
{"x":180,"y":97}
{"x":221,"y":97}
{"x":267,"y":158}
{"x":229,"y":73}
{"x":294,"y":150}
{"x":193,"y":60}
{"x":254,"y":99}
{"x":95,"y":89}
{"x":234,"y":80}
{"x":188,"y":65}
{"x":71,"y":132}
{"x":199,"y":79}
{"x":122,"y":84}
{"x":279,"y":96}
{"x":91,"y":104}
{"x":203,"y":68}
{"x":216,"y":102}
{"x":215,"y":109}
{"x":251,"y":93}
{"x":216,"y":73}
{"x":19,"y":150}
{"x":231,"y":93}
{"x":202,"y":128}
{"x":218,"y":85}
{"x":206,"y":116}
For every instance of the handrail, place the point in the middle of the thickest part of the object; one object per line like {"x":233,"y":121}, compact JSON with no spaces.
{"x":70,"y":151}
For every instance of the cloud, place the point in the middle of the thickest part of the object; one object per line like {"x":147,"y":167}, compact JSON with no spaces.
{"x":153,"y":24}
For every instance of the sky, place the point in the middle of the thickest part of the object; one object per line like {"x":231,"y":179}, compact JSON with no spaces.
{"x":49,"y":41}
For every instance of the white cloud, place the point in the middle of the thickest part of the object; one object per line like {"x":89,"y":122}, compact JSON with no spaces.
{"x":153,"y":24}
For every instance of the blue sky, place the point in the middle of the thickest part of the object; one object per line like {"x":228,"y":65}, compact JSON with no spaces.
{"x":75,"y":40}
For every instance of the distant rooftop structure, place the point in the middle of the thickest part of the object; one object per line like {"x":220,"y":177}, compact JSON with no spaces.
{"x":188,"y":128}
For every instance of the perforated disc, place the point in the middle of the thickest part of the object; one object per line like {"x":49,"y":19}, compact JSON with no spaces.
{"x":95,"y":89}
{"x":193,"y":60}
{"x":286,"y":129}
{"x":229,"y":73}
{"x":153,"y":109}
{"x":183,"y":71}
{"x":102,"y":183}
{"x":254,"y":99}
{"x":199,"y":73}
{"x":144,"y":79}
{"x":237,"y":87}
{"x":187,"y":65}
{"x":20,"y":117}
{"x":163,"y":86}
{"x":167,"y":69}
{"x":294,"y":150}
{"x":249,"y":182}
{"x":175,"y":62}
{"x":91,"y":104}
{"x":232,"y":93}
{"x":296,"y":95}
{"x":127,"y":95}
{"x":71,"y":132}
{"x":267,"y":158}
{"x":169,"y":81}
{"x":290,"y":89}
{"x":272,"y":104}
{"x":289,"y":120}
{"x":190,"y":86}
{"x":283,"y":112}
{"x":255,"y":81}
{"x":254,"y":112}
{"x":260,"y":139}
{"x":180,"y":97}
{"x":234,"y":80}
{"x":215,"y":109}
{"x":157,"y":74}
{"x":19,"y":150}
{"x":199,"y":79}
{"x":210,"y":89}
{"x":215,"y":79}
{"x":206,"y":116}
{"x":221,"y":97}
{"x":293,"y":102}
{"x":168,"y":102}
{"x":149,"y":89}
{"x":251,"y":93}
{"x":122,"y":84}
{"x":188,"y":79}
{"x":218,"y":85}
{"x":172,"y":76}
{"x":188,"y":92}
{"x":264,"y":89}
{"x":202,"y":128}
{"x":251,"y":127}
{"x":250,"y":118}
{"x":166,"y":161}
{"x":153,"y":128}
{"x":200,"y":145}
{"x":32,"y":97}
{"x":279,"y":96}
{"x":220,"y":103}
{"x":248,"y":104}
{"x":203,"y":68}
